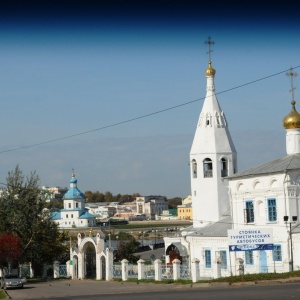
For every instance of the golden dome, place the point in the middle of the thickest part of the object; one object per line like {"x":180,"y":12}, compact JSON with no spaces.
{"x":210,"y":71}
{"x":292,"y":120}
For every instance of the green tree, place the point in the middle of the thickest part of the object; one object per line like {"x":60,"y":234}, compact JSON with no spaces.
{"x":126,"y":249}
{"x":108,"y":197}
{"x":22,"y":213}
{"x":174,"y":202}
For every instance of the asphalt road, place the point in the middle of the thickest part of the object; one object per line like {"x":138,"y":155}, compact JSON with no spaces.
{"x":91,"y":290}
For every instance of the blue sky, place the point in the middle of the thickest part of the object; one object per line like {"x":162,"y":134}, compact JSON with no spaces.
{"x":69,"y":67}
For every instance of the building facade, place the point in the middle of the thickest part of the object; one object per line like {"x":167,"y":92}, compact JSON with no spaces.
{"x":151,"y":206}
{"x":264,"y":198}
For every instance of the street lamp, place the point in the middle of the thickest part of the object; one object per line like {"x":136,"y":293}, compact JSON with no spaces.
{"x":142,"y":236}
{"x":109,"y":243}
{"x":154,"y":231}
{"x":294,"y":219}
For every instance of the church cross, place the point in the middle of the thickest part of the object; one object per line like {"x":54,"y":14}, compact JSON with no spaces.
{"x":209,"y":42}
{"x":292,"y":75}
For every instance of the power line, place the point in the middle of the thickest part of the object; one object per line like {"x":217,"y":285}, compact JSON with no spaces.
{"x":143,"y":116}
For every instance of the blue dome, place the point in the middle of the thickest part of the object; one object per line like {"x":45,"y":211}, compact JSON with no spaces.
{"x":73,"y":180}
{"x":73,"y":192}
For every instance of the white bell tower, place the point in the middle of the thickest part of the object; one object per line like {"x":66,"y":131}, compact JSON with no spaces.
{"x":212,"y":158}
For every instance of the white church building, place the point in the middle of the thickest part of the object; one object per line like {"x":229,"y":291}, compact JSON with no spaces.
{"x":74,"y":214}
{"x":242,"y":222}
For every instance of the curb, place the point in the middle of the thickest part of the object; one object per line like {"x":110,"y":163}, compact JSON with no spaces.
{"x":243,"y":283}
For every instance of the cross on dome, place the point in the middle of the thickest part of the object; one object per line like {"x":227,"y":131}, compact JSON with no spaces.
{"x":209,"y":42}
{"x":292,"y":75}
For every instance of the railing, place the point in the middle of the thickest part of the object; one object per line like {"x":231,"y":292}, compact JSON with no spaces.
{"x":167,"y":272}
{"x":176,"y":271}
{"x":25,"y":270}
{"x":132,"y":271}
{"x":185,"y":272}
{"x":117,"y":271}
{"x":63,"y":271}
{"x":208,"y":174}
{"x":224,"y":173}
{"x":149,"y":272}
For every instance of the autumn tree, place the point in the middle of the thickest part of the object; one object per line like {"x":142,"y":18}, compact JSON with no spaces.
{"x":108,"y":197}
{"x":23,"y":214}
{"x":10,"y":249}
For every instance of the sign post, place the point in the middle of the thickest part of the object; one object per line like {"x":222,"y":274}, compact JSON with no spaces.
{"x":250,"y":239}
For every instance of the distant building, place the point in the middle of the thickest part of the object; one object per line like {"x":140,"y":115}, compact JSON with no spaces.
{"x":102,"y":210}
{"x":151,"y":206}
{"x":74,"y":213}
{"x":168,"y":214}
{"x":185,"y":211}
{"x":54,"y":193}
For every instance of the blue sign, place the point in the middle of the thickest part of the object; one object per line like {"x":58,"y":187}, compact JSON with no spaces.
{"x":258,"y":247}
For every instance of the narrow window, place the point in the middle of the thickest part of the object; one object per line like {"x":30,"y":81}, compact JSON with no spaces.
{"x":277,"y":254}
{"x":249,"y":212}
{"x":140,"y":208}
{"x":207,"y":119}
{"x":272,"y":211}
{"x":218,"y":120}
{"x":207,"y":254}
{"x":69,"y":205}
{"x":72,"y":216}
{"x":194,"y":168}
{"x":224,"y":167}
{"x":76,"y":204}
{"x":249,"y":257}
{"x":223,"y":259}
{"x":67,"y":216}
{"x":208,"y":168}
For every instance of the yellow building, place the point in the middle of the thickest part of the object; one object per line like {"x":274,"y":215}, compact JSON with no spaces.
{"x":185,"y":210}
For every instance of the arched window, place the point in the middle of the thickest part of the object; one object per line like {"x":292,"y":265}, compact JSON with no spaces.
{"x":208,"y":119}
{"x":207,"y":168}
{"x":218,"y":120}
{"x":224,"y":167}
{"x":194,"y":168}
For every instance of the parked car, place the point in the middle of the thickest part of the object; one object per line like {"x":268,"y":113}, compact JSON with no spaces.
{"x":11,"y":281}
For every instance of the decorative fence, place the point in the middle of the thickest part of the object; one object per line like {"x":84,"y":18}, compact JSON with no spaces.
{"x":117,"y":271}
{"x":63,"y":271}
{"x":156,"y":271}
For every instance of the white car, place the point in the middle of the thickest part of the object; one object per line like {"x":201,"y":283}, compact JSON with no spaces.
{"x":11,"y":281}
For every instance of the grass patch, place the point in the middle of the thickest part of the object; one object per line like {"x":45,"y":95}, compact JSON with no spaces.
{"x":255,"y":277}
{"x":231,"y":279}
{"x":2,"y":294}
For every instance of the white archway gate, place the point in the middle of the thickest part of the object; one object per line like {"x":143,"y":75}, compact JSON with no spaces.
{"x":90,"y":259}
